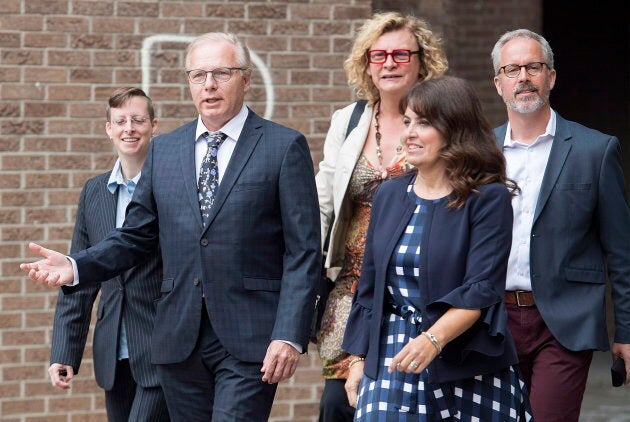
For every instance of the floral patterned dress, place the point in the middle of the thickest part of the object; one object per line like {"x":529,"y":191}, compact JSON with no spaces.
{"x":363,"y":183}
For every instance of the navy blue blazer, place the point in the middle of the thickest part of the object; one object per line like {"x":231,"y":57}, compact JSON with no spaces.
{"x":127,"y":297}
{"x":257,"y":261}
{"x":464,"y":262}
{"x":580,"y":238}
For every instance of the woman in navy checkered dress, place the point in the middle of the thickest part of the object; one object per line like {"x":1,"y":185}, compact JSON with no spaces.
{"x":428,"y":328}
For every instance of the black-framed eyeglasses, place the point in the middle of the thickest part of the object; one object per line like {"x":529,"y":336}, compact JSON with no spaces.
{"x":135,"y":121}
{"x":532,"y":69}
{"x":399,"y":56}
{"x":219,"y":74}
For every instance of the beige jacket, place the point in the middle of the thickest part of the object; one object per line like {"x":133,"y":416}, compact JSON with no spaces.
{"x":333,"y":177}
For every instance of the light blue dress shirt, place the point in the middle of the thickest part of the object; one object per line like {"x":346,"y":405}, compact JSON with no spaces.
{"x":125,"y":189}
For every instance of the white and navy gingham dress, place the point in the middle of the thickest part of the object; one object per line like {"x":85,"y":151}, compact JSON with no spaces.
{"x":401,"y":397}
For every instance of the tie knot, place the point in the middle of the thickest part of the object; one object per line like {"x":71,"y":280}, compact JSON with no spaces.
{"x":214,"y":139}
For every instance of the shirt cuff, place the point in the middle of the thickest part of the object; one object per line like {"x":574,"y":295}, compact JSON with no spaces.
{"x":75,"y":270}
{"x":294,"y":345}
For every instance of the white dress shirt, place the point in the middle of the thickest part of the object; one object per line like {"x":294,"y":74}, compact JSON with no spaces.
{"x":526,"y":164}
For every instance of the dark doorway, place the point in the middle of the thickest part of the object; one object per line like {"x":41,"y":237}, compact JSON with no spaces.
{"x":591,"y":44}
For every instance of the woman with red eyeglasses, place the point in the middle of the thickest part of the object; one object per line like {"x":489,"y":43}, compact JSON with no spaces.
{"x":391,"y":53}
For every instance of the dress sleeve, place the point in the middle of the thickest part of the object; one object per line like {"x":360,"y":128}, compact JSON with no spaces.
{"x":483,"y":286}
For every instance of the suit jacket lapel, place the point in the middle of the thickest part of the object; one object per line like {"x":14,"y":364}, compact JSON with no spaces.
{"x":251,"y":134}
{"x":109,"y":203}
{"x":557,"y":157}
{"x":189,"y":172}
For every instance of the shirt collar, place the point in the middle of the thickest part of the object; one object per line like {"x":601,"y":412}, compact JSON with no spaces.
{"x":232,"y":128}
{"x":116,"y":178}
{"x":550,"y":132}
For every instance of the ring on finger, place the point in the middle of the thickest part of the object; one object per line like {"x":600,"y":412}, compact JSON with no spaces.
{"x":414,"y":364}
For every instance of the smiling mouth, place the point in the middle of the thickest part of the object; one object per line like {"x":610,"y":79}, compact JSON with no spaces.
{"x":130,"y":140}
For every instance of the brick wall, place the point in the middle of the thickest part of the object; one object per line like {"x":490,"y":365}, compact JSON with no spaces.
{"x":60,"y":60}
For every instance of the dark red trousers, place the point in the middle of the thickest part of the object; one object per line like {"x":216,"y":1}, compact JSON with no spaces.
{"x":555,"y":376}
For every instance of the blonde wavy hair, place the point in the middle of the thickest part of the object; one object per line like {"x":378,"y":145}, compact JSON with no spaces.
{"x":433,"y":61}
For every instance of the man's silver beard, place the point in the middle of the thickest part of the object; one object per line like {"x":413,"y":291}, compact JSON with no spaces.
{"x":524,"y":107}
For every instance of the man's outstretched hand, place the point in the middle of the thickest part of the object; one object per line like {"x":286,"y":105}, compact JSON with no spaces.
{"x":54,"y":270}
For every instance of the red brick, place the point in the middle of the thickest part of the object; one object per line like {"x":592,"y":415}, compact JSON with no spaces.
{"x":19,"y":338}
{"x":19,"y":199}
{"x":22,"y":127}
{"x":10,"y":6}
{"x":88,"y":41}
{"x":69,"y":58}
{"x":60,"y":232}
{"x":45,"y":75}
{"x":247,"y":27}
{"x":21,"y":407}
{"x":137,"y":9}
{"x":10,"y":320}
{"x":110,"y":24}
{"x":290,"y":28}
{"x":289,"y":60}
{"x":309,"y":11}
{"x":21,"y":23}
{"x":9,"y":216}
{"x":51,"y":40}
{"x":22,"y":57}
{"x":231,"y":11}
{"x":87,"y":75}
{"x":331,"y":28}
{"x":93,"y":8}
{"x":9,"y":74}
{"x":67,"y":24}
{"x":178,"y":9}
{"x":9,"y":181}
{"x":23,"y":162}
{"x":69,"y":92}
{"x":9,"y":40}
{"x":46,"y":7}
{"x":266,"y":11}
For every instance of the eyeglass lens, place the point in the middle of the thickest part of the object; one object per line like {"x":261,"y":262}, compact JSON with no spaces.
{"x":399,"y":56}
{"x":219,"y":74}
{"x":513,"y":70}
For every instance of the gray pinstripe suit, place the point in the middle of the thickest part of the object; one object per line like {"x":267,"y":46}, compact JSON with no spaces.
{"x":130,"y":297}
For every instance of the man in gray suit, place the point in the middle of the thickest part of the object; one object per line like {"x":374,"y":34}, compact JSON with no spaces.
{"x":231,"y":199}
{"x":121,"y":345}
{"x":571,"y":232}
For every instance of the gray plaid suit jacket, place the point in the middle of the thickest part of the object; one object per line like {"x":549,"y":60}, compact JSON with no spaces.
{"x":129,"y":296}
{"x":256,"y":263}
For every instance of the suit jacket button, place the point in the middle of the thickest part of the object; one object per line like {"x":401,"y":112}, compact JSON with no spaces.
{"x":196,"y":282}
{"x":204,"y":242}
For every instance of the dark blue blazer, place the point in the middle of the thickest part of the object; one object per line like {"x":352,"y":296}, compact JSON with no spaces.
{"x":581,"y":238}
{"x":127,"y":297}
{"x":464,"y":261}
{"x":256,"y":263}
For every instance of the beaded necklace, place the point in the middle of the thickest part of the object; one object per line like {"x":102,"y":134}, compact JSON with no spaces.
{"x":379,"y":152}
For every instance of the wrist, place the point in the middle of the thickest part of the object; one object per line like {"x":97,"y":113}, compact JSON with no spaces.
{"x":434,"y":341}
{"x":355,"y":359}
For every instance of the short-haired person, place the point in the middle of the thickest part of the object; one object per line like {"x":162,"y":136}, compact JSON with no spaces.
{"x":230,"y":199}
{"x":428,"y":328}
{"x":571,"y":232}
{"x":122,"y":335}
{"x":391,"y":53}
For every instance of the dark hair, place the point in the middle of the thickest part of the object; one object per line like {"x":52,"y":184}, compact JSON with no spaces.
{"x":120,"y":96}
{"x":470,"y":152}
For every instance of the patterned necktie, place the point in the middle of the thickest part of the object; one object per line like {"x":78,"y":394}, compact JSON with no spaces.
{"x":209,"y":174}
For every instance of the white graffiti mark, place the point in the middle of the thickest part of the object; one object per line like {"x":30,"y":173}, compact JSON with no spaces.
{"x":147,"y":45}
